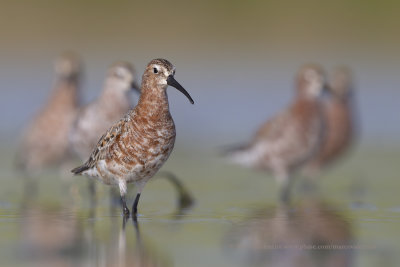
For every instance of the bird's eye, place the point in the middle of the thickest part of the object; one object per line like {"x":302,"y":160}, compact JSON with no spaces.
{"x":155,"y":70}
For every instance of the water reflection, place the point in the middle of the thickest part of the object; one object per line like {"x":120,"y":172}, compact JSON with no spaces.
{"x":126,"y":246}
{"x":59,"y":236}
{"x":49,"y":237}
{"x":311,"y":233}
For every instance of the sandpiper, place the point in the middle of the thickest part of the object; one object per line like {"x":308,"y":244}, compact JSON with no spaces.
{"x":136,"y":147}
{"x":339,"y":121}
{"x":286,"y":141}
{"x":96,"y":117}
{"x":45,"y":141}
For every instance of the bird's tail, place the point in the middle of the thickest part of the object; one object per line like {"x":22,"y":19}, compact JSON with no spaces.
{"x":242,"y":154}
{"x":229,"y":150}
{"x":80,"y":169}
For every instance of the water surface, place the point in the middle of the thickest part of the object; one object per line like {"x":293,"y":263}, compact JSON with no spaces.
{"x":351,"y":218}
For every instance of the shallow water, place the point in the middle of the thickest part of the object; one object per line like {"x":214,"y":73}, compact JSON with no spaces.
{"x":350,"y":218}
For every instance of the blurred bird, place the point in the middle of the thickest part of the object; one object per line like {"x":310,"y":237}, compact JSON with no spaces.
{"x":96,"y":117}
{"x":286,"y":141}
{"x":136,"y":147}
{"x":339,"y":121}
{"x":45,"y":141}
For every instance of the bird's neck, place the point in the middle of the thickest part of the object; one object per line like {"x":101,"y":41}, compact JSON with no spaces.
{"x":115,"y":97}
{"x":68,"y":81}
{"x":306,"y":98}
{"x":341,"y":99}
{"x":66,"y":92}
{"x":307,"y":103}
{"x":153,"y":103}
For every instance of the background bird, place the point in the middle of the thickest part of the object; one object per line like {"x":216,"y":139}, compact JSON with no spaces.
{"x":338,"y":115}
{"x":287,"y":140}
{"x":136,"y":147}
{"x":45,"y":140}
{"x":96,"y":117}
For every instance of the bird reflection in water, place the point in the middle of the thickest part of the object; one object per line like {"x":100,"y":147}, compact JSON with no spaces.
{"x":61,"y":234}
{"x":126,"y":245}
{"x":143,"y":252}
{"x":309,"y":234}
{"x":50,"y":237}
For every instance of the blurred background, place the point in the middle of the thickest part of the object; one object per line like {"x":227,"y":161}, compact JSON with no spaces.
{"x":238,"y":60}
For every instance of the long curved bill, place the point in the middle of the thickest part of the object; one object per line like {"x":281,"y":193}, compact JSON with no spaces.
{"x":172,"y":82}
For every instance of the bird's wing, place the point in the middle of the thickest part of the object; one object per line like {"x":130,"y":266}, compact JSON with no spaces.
{"x":274,"y":128}
{"x":102,"y":146}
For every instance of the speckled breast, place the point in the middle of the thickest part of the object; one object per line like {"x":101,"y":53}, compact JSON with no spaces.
{"x":143,"y":148}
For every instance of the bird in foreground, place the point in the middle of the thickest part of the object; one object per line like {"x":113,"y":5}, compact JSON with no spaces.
{"x":45,"y":141}
{"x":136,"y":147}
{"x":337,"y":110}
{"x":96,"y":117}
{"x":288,"y":140}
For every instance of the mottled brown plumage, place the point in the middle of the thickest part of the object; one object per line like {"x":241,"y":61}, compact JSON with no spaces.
{"x":45,"y":141}
{"x":339,"y":121}
{"x":286,"y":141}
{"x":136,"y":147}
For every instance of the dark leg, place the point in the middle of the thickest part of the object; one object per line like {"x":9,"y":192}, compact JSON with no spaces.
{"x":92,"y":195}
{"x":185,"y":199}
{"x":136,"y":226}
{"x":284,"y":183}
{"x":135,"y":204}
{"x":30,"y":192}
{"x":284,"y":196}
{"x":124,"y":220}
{"x":92,"y":188}
{"x":124,"y":207}
{"x":135,"y":223}
{"x":285,"y":192}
